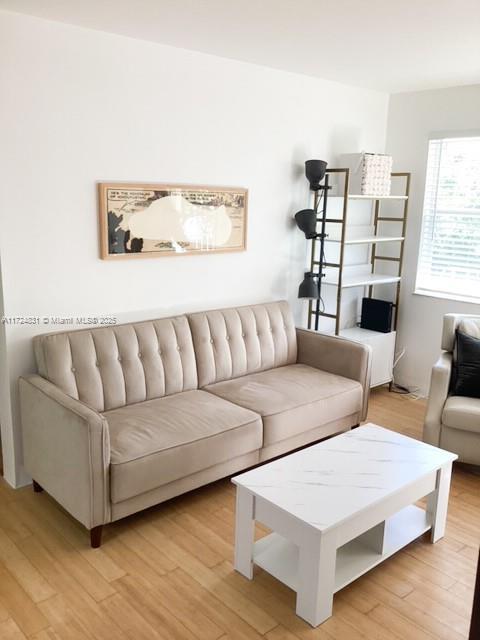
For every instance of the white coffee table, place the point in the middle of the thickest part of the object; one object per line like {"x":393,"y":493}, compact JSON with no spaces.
{"x":337,"y":509}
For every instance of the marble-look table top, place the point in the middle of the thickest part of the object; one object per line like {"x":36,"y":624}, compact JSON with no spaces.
{"x":329,"y":482}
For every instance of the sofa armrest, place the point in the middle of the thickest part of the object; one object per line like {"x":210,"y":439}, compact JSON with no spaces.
{"x":439,"y":387}
{"x":337,"y":355}
{"x":66,"y":449}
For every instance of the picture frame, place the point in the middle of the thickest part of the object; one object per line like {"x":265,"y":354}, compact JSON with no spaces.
{"x":145,"y":220}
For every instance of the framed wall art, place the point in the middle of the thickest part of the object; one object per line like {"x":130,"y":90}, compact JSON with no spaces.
{"x":149,"y":220}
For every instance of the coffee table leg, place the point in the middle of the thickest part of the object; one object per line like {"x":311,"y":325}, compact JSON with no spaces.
{"x":244,"y":532}
{"x":437,"y":503}
{"x":317,"y":559}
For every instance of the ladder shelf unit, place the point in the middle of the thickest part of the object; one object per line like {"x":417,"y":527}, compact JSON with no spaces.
{"x":368,"y":277}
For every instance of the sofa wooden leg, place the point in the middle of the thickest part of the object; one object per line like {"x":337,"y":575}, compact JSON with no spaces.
{"x":36,"y":487}
{"x":96,"y":536}
{"x":355,"y":426}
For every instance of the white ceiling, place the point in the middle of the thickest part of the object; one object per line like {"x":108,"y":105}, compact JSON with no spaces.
{"x":387,"y":45}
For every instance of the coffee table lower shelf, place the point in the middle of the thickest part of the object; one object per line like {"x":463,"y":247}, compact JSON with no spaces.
{"x":279,"y":557}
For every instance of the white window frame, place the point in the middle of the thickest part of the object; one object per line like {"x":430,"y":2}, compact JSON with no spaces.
{"x":418,"y":290}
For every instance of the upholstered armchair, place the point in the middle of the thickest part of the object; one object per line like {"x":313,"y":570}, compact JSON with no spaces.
{"x":453,"y":422}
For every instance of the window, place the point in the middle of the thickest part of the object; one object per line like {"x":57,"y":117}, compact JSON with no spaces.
{"x":449,"y":261}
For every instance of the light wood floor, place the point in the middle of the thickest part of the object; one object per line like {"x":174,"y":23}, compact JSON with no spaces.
{"x":167,"y":573}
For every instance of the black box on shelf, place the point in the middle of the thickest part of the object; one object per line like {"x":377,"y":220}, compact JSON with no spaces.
{"x":376,"y":315}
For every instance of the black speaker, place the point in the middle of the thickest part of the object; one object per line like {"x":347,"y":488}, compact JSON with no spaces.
{"x":376,"y":315}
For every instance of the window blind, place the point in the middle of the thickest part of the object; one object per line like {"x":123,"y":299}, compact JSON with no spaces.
{"x":449,"y":260}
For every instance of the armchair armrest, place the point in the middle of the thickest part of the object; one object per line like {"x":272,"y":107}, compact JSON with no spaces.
{"x":66,"y":449}
{"x":337,"y":355}
{"x":439,"y":387}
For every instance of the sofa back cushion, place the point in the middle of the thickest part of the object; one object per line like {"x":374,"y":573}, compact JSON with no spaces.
{"x":110,"y":367}
{"x":230,"y":343}
{"x":468,"y":324}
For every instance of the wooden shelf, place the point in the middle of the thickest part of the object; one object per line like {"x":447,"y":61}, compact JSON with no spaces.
{"x":368,"y":239}
{"x":353,"y":196}
{"x":279,"y":556}
{"x":362,"y":280}
{"x":361,"y":335}
{"x":358,"y":239}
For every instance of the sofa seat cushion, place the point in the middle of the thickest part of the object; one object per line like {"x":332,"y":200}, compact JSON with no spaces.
{"x":159,"y":441}
{"x":461,"y":412}
{"x":293,"y":399}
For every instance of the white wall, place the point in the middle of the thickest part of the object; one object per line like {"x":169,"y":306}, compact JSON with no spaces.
{"x":5,"y":402}
{"x":82,"y":106}
{"x":413,"y":118}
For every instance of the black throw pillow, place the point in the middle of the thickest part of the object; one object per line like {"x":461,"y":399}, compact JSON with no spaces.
{"x":467,"y":366}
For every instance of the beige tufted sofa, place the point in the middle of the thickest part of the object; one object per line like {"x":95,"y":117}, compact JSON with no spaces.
{"x":122,"y":418}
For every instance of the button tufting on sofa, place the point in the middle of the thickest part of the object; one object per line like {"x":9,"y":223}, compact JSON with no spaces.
{"x":118,"y":438}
